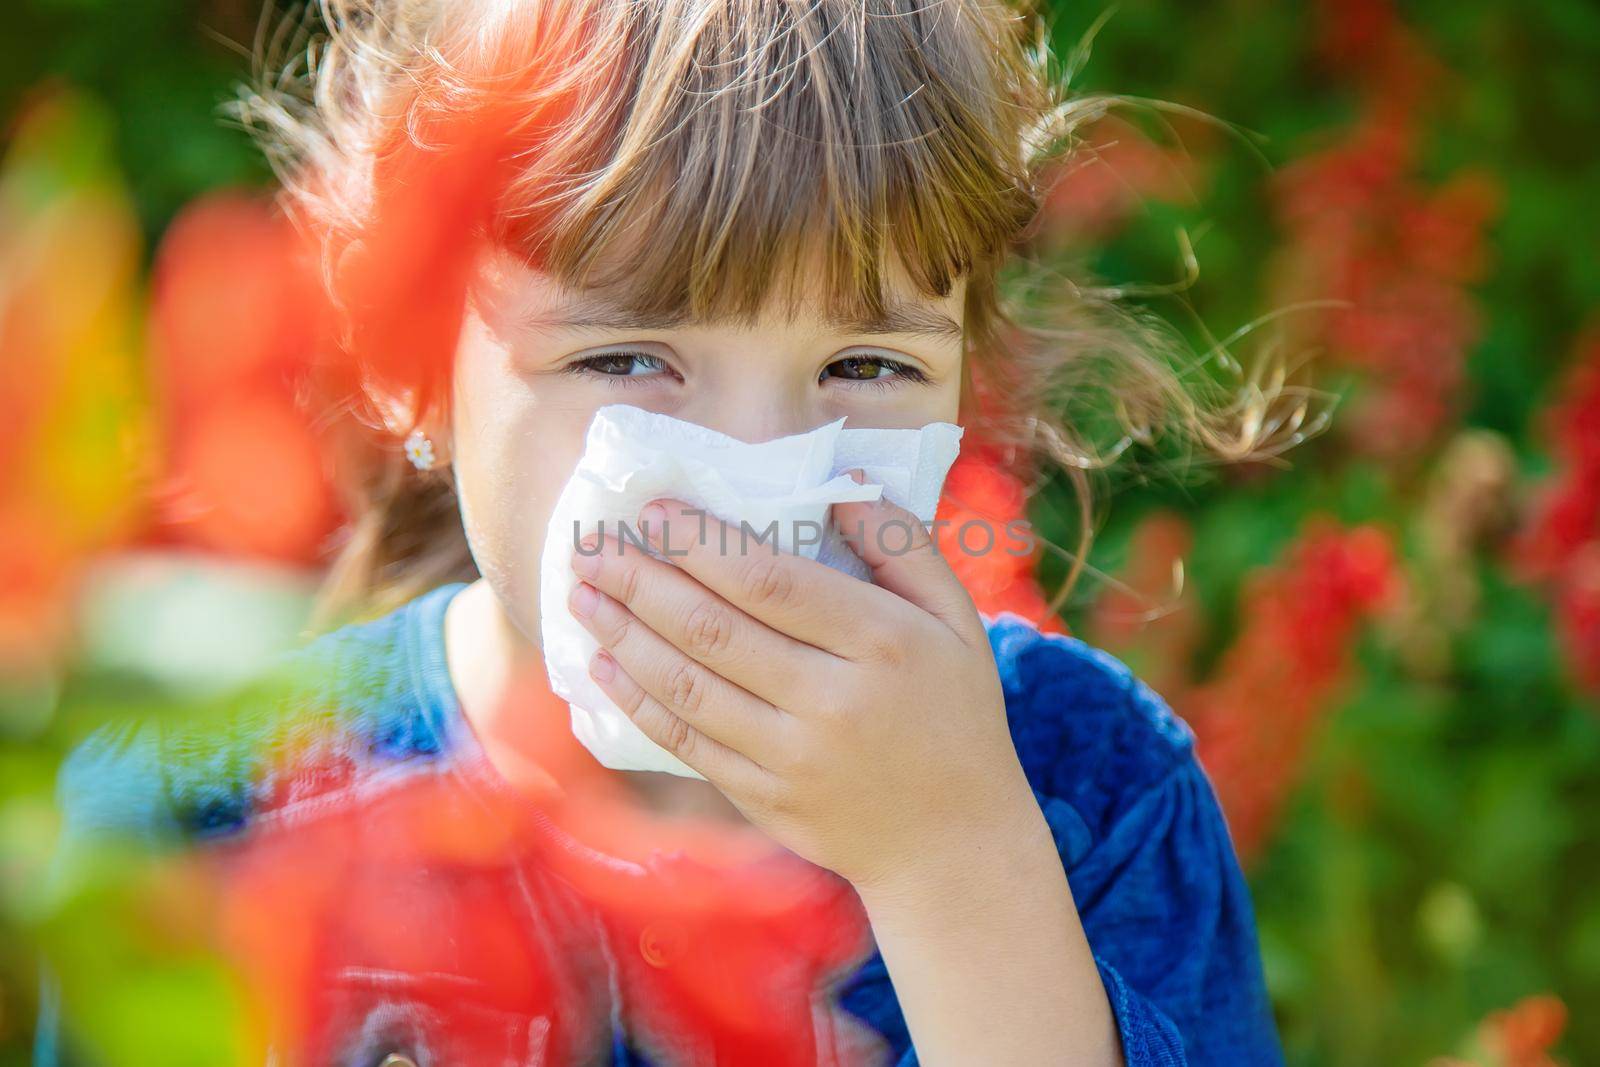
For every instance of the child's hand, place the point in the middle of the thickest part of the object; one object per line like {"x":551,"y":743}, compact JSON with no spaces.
{"x":861,"y":725}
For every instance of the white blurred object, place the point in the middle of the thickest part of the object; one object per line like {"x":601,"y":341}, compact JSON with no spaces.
{"x":195,"y":624}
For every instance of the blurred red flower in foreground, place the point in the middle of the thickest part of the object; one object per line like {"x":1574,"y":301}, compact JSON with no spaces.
{"x":981,"y":533}
{"x":237,"y":320}
{"x":1560,"y":543}
{"x":487,"y":923}
{"x":72,"y":423}
{"x":1255,"y":717}
{"x":456,"y":169}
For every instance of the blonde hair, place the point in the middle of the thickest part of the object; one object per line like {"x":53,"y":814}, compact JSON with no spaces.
{"x":700,"y":147}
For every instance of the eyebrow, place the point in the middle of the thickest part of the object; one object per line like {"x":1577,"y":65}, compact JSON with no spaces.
{"x":903,"y":318}
{"x":592,"y":314}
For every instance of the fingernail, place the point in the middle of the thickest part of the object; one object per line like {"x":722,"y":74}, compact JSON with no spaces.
{"x":652,"y":520}
{"x":602,"y":668}
{"x":583,"y":600}
{"x":586,"y":561}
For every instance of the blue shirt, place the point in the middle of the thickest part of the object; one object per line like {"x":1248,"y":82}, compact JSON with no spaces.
{"x":1141,"y":837}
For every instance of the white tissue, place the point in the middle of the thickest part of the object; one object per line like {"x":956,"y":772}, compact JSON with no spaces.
{"x":632,"y":456}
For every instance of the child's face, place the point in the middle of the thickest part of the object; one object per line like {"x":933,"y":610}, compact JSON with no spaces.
{"x":536,"y":360}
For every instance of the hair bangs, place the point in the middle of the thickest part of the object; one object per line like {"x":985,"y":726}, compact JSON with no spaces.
{"x":736,"y":153}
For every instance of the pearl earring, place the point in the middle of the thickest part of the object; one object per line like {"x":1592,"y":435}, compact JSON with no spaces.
{"x":419,"y":450}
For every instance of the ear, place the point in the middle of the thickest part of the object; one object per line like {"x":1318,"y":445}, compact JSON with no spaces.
{"x":401,"y":419}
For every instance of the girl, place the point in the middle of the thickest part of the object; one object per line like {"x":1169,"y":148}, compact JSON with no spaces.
{"x":758,"y":215}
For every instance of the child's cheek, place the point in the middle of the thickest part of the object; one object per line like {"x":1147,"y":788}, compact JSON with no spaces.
{"x":513,"y":451}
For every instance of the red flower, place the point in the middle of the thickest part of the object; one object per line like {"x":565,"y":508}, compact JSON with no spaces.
{"x":1398,"y":257}
{"x":1566,"y":514}
{"x":1096,"y":188}
{"x":1578,"y":616}
{"x":409,"y":894}
{"x":236,"y":322}
{"x":461,"y":145}
{"x":1138,"y":617}
{"x":72,"y":429}
{"x":1254,"y":718}
{"x":1396,"y":254}
{"x":1559,"y":544}
{"x":518,"y":922}
{"x":982,"y":531}
{"x":1524,"y":1034}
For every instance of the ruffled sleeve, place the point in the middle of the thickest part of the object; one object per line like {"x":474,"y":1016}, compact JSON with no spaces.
{"x":1169,"y":918}
{"x":1153,"y":873}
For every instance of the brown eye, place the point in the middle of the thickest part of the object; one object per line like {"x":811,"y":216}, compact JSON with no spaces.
{"x":621,"y":365}
{"x":874,"y":369}
{"x":612,"y":364}
{"x":858,"y":369}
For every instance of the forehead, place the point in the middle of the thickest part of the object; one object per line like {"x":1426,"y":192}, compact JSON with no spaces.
{"x":540,"y":300}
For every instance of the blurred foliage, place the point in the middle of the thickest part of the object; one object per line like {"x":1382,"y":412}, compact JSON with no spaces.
{"x":1390,"y":696}
{"x":1435,"y":859}
{"x":159,"y":68}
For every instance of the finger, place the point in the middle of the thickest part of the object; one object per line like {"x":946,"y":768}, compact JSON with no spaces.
{"x":690,"y":691}
{"x":702,"y":625}
{"x":895,"y":544}
{"x":734,"y":773}
{"x":807,"y":600}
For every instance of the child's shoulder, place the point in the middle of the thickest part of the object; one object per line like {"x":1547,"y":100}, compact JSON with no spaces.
{"x":367,"y":697}
{"x":1087,"y":730}
{"x":386,"y":677}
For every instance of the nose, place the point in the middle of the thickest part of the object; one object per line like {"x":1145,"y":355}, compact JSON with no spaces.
{"x":759,"y":407}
